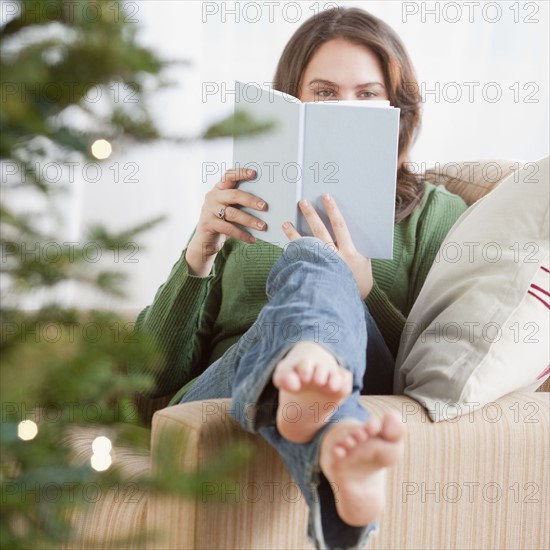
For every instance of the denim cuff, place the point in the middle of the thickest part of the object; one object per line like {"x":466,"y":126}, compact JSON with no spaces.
{"x":258,"y":398}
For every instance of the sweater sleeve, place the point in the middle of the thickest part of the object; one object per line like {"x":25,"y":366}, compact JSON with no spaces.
{"x":178,"y":325}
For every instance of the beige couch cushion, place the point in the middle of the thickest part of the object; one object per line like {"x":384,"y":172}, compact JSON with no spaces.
{"x":476,"y":332}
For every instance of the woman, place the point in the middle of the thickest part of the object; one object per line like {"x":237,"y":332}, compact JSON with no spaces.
{"x":285,"y":335}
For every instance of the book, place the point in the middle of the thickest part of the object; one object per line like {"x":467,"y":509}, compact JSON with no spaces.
{"x":305,"y":149}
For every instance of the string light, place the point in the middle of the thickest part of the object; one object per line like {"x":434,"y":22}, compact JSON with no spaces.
{"x":101,"y":462}
{"x":101,"y":149}
{"x":101,"y":459}
{"x":27,"y":430}
{"x":102,"y":445}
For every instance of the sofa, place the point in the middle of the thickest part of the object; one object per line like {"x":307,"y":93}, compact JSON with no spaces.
{"x":480,"y":481}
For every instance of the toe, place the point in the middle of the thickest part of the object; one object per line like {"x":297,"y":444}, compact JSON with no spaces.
{"x":305,"y":370}
{"x":341,"y":381}
{"x":335,"y":382}
{"x":359,"y":435}
{"x":349,"y":442}
{"x":392,"y":428}
{"x":372,"y":427}
{"x":287,"y":380}
{"x":339,"y":452}
{"x":347,"y":382}
{"x":320,"y":375}
{"x":278,"y":375}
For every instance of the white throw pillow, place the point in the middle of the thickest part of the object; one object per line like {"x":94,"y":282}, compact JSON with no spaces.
{"x":480,"y":326}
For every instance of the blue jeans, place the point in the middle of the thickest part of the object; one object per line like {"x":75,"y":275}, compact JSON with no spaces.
{"x":312,"y":296}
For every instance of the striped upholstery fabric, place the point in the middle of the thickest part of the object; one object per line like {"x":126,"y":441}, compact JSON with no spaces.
{"x":479,"y":482}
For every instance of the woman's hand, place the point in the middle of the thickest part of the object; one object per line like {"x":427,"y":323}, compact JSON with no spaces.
{"x":219,"y":214}
{"x":359,"y":265}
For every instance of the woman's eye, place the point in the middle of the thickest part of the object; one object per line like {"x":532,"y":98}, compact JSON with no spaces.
{"x":325,"y":92}
{"x":367,"y":94}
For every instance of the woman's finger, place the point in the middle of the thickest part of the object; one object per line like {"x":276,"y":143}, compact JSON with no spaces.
{"x":339,"y":226}
{"x":290,"y":231}
{"x":235,"y":215}
{"x":315,"y":223}
{"x":231,"y":230}
{"x":238,"y":197}
{"x":231,"y":177}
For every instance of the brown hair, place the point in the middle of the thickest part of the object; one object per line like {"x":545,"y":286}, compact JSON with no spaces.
{"x":362,"y":28}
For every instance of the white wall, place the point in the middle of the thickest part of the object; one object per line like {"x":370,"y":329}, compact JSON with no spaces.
{"x":492,"y":50}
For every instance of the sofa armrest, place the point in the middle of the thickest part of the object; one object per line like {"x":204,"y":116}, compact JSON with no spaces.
{"x":255,"y":509}
{"x":484,"y":476}
{"x":480,"y":481}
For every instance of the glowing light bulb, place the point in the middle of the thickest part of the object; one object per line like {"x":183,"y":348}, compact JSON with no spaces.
{"x":101,"y":149}
{"x":101,"y":459}
{"x":102,"y":445}
{"x":100,"y":462}
{"x":27,"y":430}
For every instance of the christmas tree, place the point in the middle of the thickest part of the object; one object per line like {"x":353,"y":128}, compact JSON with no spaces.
{"x":61,"y":367}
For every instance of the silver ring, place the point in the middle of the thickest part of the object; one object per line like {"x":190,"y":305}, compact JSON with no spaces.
{"x":221,"y":213}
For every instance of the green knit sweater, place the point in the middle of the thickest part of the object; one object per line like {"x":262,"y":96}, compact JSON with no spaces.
{"x":194,"y":320}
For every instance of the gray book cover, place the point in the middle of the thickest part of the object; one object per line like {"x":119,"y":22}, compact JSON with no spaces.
{"x":345,"y":148}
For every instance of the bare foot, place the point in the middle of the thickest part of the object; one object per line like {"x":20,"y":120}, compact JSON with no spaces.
{"x":311,"y":386}
{"x":354,"y":458}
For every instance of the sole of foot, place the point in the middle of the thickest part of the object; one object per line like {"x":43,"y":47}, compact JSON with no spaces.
{"x":354,"y":457}
{"x":311,"y":386}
